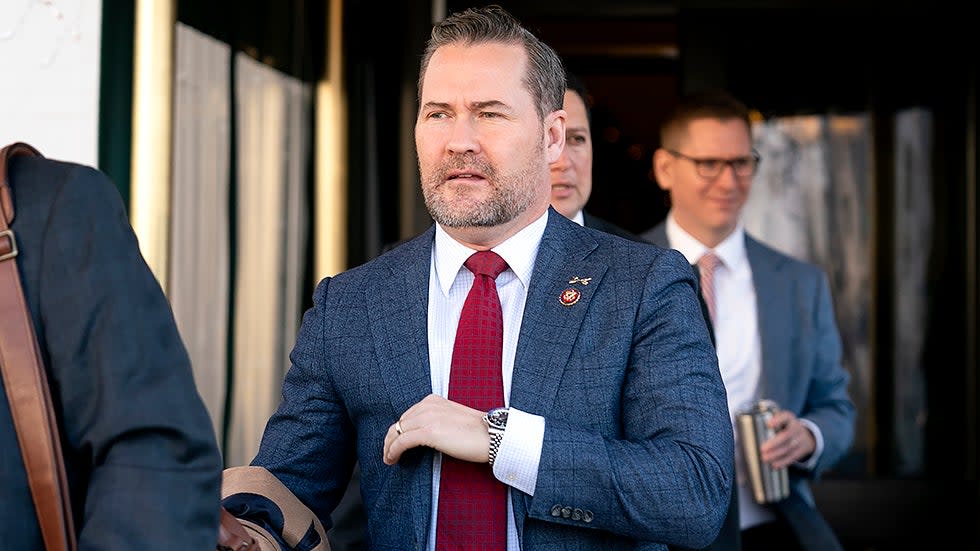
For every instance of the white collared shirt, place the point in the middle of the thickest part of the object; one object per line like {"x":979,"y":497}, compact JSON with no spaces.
{"x":449,"y":282}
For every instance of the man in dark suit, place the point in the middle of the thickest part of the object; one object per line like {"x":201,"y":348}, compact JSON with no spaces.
{"x":615,"y":431}
{"x":571,"y":174}
{"x":142,"y":462}
{"x":774,"y":322}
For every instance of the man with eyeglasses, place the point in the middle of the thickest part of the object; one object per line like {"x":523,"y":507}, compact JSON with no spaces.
{"x":775,"y":330}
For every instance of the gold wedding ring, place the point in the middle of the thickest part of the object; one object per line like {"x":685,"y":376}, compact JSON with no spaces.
{"x":398,"y":427}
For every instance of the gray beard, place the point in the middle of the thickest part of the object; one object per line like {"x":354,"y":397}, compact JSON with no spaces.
{"x":508,"y":198}
{"x":496,"y":210}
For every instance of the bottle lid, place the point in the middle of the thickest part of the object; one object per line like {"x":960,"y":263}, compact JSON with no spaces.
{"x":761,"y":406}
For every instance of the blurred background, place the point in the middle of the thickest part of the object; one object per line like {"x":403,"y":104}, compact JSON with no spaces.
{"x":262,"y":145}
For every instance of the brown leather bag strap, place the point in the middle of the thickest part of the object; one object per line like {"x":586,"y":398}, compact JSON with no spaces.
{"x":26,"y":384}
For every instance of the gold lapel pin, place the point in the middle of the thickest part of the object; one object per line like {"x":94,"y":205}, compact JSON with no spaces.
{"x":577,"y":279}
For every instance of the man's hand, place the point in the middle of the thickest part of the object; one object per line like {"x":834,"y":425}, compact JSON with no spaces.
{"x":232,"y":535}
{"x":793,"y":441}
{"x":448,"y":427}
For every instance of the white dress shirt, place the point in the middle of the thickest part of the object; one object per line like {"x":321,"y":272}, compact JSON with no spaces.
{"x":738,"y":345}
{"x":449,"y":282}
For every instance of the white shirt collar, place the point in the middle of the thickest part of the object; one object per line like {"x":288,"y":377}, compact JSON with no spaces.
{"x":579,"y":218}
{"x":519,"y":251}
{"x":731,"y":250}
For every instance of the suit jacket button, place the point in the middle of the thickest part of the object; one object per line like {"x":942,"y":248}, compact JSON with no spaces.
{"x":566,"y":512}
{"x":576,"y":514}
{"x":587,"y":516}
{"x":556,"y":511}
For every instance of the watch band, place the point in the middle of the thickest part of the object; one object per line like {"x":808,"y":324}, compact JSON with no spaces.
{"x":496,"y":421}
{"x":495,"y":439}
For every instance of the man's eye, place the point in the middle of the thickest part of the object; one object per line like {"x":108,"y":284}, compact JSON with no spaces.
{"x":710,"y":165}
{"x":740,"y":165}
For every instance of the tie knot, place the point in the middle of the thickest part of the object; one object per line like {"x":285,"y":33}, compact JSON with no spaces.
{"x":486,"y":263}
{"x":708,"y":262}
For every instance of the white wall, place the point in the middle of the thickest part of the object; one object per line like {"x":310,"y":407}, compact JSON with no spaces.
{"x":49,"y":76}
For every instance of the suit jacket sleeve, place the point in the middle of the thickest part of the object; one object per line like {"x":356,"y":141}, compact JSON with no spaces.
{"x":306,"y":442}
{"x":131,"y":413}
{"x":827,"y":404}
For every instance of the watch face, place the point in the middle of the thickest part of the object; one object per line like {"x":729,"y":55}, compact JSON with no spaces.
{"x":497,"y":417}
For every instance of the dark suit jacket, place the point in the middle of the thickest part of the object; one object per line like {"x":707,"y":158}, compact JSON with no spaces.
{"x":142,"y":460}
{"x":801,"y":363}
{"x":626,"y":379}
{"x":590,"y":221}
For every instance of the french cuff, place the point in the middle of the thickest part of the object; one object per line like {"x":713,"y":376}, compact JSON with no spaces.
{"x":517,"y":459}
{"x":810,"y":463}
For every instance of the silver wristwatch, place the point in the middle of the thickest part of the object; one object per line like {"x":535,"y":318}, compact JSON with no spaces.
{"x":496,"y":420}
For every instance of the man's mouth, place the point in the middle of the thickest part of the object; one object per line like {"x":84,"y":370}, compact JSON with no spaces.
{"x":562,"y":189}
{"x":463,"y":176}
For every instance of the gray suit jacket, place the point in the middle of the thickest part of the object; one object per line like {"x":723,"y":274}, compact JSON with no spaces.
{"x":637,"y":428}
{"x":801,"y":350}
{"x":142,"y":460}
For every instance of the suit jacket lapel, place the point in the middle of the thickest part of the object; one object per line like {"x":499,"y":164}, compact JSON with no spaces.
{"x":549,"y":328}
{"x":398,"y":309}
{"x":775,"y":320}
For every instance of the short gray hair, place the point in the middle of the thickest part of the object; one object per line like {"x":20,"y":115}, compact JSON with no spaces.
{"x":545,"y":78}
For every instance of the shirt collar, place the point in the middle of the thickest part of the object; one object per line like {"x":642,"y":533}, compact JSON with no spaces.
{"x":731,"y":250}
{"x":579,"y":218}
{"x":519,"y":251}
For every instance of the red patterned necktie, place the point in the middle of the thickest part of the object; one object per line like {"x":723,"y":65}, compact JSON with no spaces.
{"x":472,"y":503}
{"x":707,"y":265}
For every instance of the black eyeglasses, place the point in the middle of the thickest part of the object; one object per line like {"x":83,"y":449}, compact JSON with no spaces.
{"x":711,"y":168}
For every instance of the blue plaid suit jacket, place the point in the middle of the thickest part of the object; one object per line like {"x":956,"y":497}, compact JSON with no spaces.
{"x":637,"y":427}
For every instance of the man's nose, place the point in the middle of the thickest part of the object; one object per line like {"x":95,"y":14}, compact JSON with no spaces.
{"x":464,"y":137}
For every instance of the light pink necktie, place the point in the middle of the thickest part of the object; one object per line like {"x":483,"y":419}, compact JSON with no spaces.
{"x":707,"y":265}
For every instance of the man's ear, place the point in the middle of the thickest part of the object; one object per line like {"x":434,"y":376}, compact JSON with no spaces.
{"x":554,"y":134}
{"x":662,"y":167}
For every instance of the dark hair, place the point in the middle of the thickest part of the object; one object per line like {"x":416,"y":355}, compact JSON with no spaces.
{"x":708,"y":104}
{"x":574,"y":84}
{"x":545,"y":78}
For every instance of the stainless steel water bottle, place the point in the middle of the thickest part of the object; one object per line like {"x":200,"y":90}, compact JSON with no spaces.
{"x":768,"y":485}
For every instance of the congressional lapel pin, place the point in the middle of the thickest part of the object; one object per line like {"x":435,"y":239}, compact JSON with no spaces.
{"x":577,"y":279}
{"x":569,"y":296}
